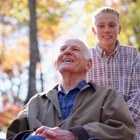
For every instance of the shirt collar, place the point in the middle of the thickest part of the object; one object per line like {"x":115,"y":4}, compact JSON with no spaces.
{"x":80,"y":85}
{"x":101,"y":52}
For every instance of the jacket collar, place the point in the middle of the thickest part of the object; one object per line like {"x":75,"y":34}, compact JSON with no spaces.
{"x":52,"y":94}
{"x":55,"y":89}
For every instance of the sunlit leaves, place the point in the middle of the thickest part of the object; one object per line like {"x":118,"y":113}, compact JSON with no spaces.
{"x":92,"y":5}
{"x":49,"y":18}
{"x":15,"y":10}
{"x":14,"y":57}
{"x":14,"y":14}
{"x":8,"y":114}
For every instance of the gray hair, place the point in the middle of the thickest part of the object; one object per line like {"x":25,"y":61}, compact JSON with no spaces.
{"x":87,"y":52}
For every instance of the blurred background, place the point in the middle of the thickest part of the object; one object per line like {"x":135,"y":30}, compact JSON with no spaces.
{"x":31,"y":32}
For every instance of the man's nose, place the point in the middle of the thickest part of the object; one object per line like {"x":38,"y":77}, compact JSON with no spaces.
{"x":68,"y":51}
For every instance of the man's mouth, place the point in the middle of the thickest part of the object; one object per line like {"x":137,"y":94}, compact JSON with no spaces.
{"x":67,"y":60}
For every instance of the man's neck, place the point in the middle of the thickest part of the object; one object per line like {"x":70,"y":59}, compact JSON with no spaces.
{"x":69,"y":83}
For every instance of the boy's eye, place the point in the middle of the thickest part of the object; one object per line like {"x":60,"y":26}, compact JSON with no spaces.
{"x":100,"y":26}
{"x":112,"y":25}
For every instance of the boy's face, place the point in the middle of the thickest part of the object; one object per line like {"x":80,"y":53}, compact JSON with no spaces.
{"x":106,"y":29}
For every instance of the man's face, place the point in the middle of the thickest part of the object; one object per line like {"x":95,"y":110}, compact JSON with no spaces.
{"x":71,"y":58}
{"x":106,"y":28}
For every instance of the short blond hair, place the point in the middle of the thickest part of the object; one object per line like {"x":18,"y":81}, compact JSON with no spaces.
{"x":105,"y":10}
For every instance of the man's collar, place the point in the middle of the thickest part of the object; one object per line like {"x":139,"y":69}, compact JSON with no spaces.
{"x":90,"y":83}
{"x":80,"y":85}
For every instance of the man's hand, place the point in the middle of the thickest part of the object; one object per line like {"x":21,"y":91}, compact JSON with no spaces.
{"x":55,"y":133}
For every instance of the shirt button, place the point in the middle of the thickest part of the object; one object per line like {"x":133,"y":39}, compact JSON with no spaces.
{"x":59,"y":117}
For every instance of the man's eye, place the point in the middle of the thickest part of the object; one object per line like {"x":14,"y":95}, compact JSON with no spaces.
{"x":75,"y":49}
{"x":63,"y":49}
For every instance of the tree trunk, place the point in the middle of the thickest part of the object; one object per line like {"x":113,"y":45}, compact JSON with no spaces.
{"x":34,"y":52}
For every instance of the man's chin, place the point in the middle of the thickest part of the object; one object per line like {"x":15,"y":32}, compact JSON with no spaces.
{"x":62,"y":70}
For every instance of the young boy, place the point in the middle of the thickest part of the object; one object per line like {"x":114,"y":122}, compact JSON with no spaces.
{"x":115,"y":65}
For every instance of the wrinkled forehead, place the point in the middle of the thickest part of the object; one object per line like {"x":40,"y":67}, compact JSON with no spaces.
{"x":74,"y":42}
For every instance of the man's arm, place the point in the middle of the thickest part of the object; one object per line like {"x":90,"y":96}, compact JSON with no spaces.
{"x":55,"y":133}
{"x":18,"y":125}
{"x":115,"y":120}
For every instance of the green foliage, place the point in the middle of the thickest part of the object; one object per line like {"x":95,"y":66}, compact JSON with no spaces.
{"x":130,"y":23}
{"x":49,"y":18}
{"x":14,"y":10}
{"x":92,"y":5}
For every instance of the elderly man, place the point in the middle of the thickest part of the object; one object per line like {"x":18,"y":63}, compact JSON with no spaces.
{"x":74,"y":109}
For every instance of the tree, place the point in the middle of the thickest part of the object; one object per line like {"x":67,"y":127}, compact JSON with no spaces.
{"x":14,"y":17}
{"x":34,"y":52}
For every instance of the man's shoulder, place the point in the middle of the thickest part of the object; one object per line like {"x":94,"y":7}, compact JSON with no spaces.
{"x":44,"y":94}
{"x":102,"y":88}
{"x":105,"y":89}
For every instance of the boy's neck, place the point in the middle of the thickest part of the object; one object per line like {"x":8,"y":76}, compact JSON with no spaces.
{"x":109,"y":49}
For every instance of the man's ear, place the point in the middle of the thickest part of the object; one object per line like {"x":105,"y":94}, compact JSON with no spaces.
{"x":56,"y":64}
{"x":93,"y":30}
{"x":89,"y":64}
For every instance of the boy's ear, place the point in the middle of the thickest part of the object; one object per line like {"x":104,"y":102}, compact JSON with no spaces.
{"x":119,"y":29}
{"x":93,"y":30}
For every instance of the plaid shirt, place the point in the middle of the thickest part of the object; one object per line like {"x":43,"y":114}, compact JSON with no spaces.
{"x":120,"y":70}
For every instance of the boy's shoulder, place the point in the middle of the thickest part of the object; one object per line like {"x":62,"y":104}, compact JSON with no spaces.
{"x":129,"y":50}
